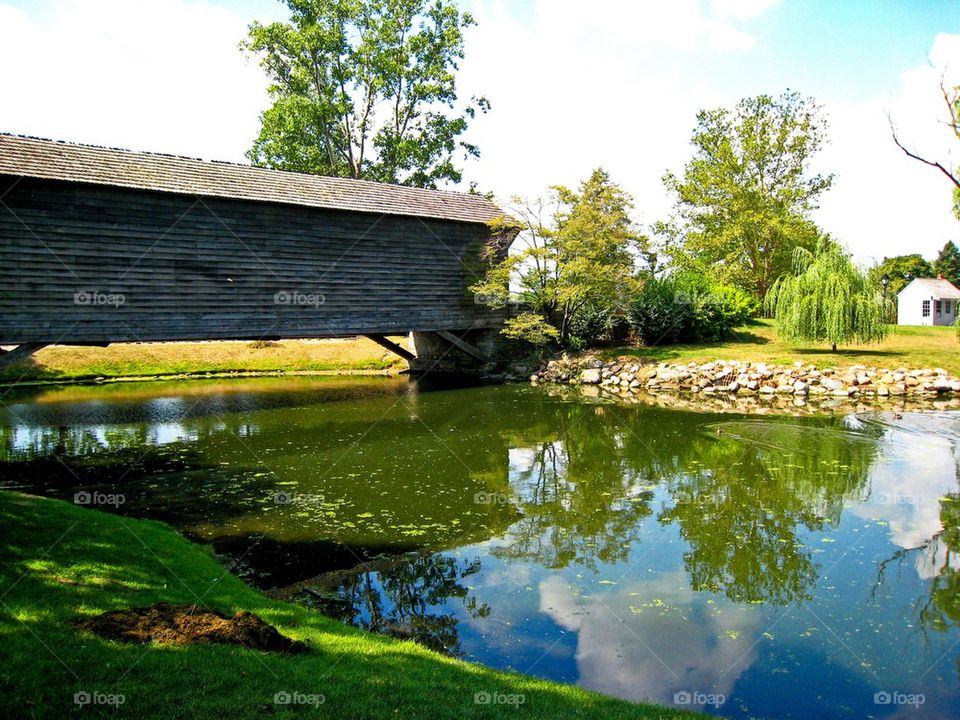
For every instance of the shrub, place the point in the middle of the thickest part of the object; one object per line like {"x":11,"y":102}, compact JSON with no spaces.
{"x":598,"y":324}
{"x":689,"y":308}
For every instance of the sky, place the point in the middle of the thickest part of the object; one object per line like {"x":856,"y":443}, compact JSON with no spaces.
{"x":573,"y":85}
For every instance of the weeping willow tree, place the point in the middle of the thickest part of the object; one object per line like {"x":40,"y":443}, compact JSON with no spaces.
{"x":827,"y":299}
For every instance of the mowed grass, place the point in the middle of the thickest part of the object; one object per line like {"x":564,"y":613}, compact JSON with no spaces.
{"x":905,"y":346}
{"x":62,"y":362}
{"x":58,"y":561}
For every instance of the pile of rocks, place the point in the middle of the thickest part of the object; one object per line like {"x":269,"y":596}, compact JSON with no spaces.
{"x":741,"y":377}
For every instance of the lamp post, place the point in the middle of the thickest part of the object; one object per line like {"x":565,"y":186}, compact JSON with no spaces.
{"x":885,"y":280}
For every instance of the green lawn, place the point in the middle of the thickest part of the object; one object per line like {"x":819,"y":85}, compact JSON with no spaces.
{"x":61,"y":362}
{"x":60,"y":560}
{"x":905,"y":346}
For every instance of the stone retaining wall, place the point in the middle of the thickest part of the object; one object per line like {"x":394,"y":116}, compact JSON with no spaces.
{"x":722,"y":377}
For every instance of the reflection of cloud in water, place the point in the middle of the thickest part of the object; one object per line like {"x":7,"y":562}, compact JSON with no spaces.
{"x":649,"y":640}
{"x":933,"y":559}
{"x":906,"y":482}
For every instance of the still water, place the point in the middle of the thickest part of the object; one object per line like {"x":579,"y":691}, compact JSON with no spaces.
{"x":743,"y":566}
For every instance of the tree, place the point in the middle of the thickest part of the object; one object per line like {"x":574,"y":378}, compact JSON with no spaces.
{"x":742,"y":206}
{"x":364,"y":89}
{"x":898,"y":271}
{"x":827,"y":299}
{"x":578,"y":260}
{"x":948,"y":263}
{"x":951,"y":98}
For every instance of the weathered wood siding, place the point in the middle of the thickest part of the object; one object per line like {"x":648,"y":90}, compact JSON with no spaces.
{"x":85,"y":264}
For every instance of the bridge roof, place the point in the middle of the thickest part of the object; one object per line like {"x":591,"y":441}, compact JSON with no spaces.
{"x":56,"y":160}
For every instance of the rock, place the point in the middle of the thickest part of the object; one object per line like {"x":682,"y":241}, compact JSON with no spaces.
{"x":831,"y":383}
{"x":590,"y":376}
{"x":768,"y":389}
{"x":883,"y":390}
{"x":800,"y":388}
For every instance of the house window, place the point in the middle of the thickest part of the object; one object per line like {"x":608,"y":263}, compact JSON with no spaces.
{"x":926,"y":308}
{"x":939,"y":309}
{"x":947,"y":309}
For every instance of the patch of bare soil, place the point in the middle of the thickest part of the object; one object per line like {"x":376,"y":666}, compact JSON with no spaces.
{"x":186,"y":624}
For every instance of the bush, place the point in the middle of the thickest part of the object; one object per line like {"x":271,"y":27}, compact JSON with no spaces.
{"x":598,"y":324}
{"x":689,"y":308}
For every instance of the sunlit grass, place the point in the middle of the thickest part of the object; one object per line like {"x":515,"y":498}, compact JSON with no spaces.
{"x":149,"y":359}
{"x":59,"y":561}
{"x":904,"y":346}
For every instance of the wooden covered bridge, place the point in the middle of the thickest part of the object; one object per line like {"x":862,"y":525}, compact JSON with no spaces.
{"x":100,"y":245}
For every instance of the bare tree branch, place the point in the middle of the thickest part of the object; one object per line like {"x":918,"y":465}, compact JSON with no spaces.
{"x":931,"y":163}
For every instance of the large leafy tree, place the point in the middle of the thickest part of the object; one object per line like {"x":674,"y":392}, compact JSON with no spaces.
{"x":365,"y":89}
{"x":827,"y":299}
{"x":948,"y":263}
{"x":899,"y":270}
{"x":573,"y":259}
{"x":743,"y":203}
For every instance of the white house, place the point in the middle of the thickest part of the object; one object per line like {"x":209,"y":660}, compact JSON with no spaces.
{"x":928,"y":301}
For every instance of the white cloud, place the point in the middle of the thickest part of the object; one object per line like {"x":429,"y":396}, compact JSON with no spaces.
{"x":162,"y":75}
{"x":883,"y":203}
{"x":572,"y":87}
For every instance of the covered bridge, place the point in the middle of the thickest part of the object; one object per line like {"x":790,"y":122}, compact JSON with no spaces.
{"x":100,"y":245}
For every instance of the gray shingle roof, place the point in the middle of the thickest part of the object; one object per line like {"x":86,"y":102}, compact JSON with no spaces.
{"x":938,"y":288}
{"x":55,"y":160}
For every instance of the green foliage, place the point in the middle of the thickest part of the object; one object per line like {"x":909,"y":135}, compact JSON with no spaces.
{"x":742,"y":205}
{"x":573,"y":262}
{"x":948,"y":263}
{"x":364,"y":89}
{"x":827,"y":299}
{"x":530,"y":327}
{"x":598,"y":324}
{"x":684,"y":307}
{"x":898,"y":269}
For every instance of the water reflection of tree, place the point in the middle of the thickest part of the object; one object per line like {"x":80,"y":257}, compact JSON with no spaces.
{"x":940,"y":609}
{"x":741,"y":498}
{"x":580,"y":498}
{"x":742,"y":507}
{"x":401,"y":597}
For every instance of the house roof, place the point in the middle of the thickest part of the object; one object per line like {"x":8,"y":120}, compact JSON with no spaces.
{"x":938,"y":288}
{"x":55,"y":160}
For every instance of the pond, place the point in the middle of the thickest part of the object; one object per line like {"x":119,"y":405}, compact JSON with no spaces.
{"x":740,"y":565}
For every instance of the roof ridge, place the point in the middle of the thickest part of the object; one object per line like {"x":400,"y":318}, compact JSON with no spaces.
{"x":219,"y":178}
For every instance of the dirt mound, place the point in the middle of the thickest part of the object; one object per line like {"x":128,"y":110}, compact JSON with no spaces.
{"x":185,"y":624}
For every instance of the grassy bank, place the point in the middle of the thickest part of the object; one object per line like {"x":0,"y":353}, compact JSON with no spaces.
{"x":910,"y":347}
{"x":59,"y":561}
{"x":197,"y":358}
